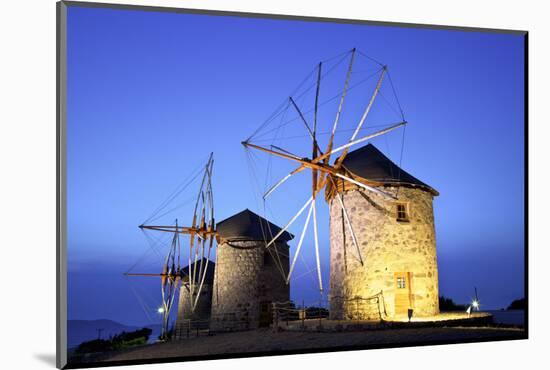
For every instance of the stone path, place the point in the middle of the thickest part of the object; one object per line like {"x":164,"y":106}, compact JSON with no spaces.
{"x":265,"y":340}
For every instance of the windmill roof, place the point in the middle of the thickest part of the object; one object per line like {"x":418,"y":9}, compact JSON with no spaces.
{"x":370,"y":163}
{"x":209,"y":278}
{"x":247,"y":225}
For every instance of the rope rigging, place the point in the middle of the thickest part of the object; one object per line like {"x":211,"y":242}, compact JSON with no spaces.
{"x":324,"y":172}
{"x":323,"y":103}
{"x":177,"y":191}
{"x":370,"y":127}
{"x":202,"y":231}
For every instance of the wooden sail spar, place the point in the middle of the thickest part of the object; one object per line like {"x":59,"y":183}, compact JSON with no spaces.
{"x":202,"y":235}
{"x":324,"y":174}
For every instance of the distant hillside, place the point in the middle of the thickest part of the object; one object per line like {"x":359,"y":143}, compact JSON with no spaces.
{"x":518,"y":304}
{"x":79,"y":331}
{"x":447,"y":304}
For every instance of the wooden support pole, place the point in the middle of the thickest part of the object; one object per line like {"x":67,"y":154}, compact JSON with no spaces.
{"x":317,"y":258}
{"x":342,"y":98}
{"x":348,"y":222}
{"x":289,"y":223}
{"x":299,"y":244}
{"x":363,"y":118}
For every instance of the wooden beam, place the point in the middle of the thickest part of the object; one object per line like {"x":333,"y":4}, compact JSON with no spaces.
{"x":289,"y":223}
{"x":302,"y":117}
{"x":316,"y":238}
{"x":370,"y":188}
{"x":315,"y":150}
{"x":348,"y":221}
{"x":342,"y":98}
{"x":181,"y":229}
{"x":146,"y":274}
{"x":322,"y":157}
{"x":303,"y":161}
{"x":317,"y":99}
{"x":363,"y":139}
{"x":299,"y":244}
{"x":340,"y":159}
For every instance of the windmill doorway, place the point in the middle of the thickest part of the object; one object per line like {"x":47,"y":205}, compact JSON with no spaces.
{"x":265,"y":314}
{"x":403,"y":292}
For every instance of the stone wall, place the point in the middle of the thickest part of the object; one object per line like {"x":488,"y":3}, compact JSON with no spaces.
{"x":201,"y":314}
{"x":246,"y":276}
{"x":387,"y":247}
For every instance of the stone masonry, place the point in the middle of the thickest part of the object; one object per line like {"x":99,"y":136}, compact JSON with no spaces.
{"x":246,"y":277}
{"x":187,"y":320}
{"x":387,"y":246}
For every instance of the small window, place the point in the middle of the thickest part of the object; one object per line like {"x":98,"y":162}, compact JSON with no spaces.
{"x":401,"y":283}
{"x":402,"y":214}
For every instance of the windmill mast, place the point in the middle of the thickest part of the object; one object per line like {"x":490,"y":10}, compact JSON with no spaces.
{"x":202,"y":229}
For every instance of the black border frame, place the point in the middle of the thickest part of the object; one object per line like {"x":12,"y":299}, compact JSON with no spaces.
{"x":61,"y":260}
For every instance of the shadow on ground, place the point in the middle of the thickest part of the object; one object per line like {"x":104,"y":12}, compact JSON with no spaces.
{"x":46,"y":358}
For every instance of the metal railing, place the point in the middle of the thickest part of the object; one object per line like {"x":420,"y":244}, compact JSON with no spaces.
{"x":185,"y":329}
{"x":361,"y":308}
{"x":288,"y":314}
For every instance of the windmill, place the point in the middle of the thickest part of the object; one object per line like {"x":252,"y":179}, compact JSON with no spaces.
{"x":327,"y":174}
{"x":201,"y":234}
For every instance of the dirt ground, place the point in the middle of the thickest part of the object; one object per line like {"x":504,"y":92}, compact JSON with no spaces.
{"x":265,"y":340}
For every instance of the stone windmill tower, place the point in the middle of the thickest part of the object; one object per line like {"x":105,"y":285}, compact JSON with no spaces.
{"x":249,"y":276}
{"x":396,"y":240}
{"x":190,"y":317}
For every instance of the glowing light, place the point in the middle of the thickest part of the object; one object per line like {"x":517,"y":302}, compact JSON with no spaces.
{"x":160,"y":310}
{"x":475,"y":304}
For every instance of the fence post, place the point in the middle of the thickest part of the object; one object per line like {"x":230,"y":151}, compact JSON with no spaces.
{"x":286,"y":315}
{"x":303,"y":315}
{"x":320,"y":323}
{"x":274,"y":316}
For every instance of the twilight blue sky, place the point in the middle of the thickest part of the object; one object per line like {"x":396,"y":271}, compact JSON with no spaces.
{"x":151,"y":94}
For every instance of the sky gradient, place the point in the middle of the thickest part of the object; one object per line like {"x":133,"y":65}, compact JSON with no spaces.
{"x":151,"y":94}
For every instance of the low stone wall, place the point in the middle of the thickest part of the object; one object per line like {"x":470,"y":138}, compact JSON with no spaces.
{"x":438,"y":321}
{"x":188,"y":319}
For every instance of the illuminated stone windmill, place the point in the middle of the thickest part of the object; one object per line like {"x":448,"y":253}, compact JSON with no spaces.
{"x":382,"y":239}
{"x":193,"y":278}
{"x":246,"y":277}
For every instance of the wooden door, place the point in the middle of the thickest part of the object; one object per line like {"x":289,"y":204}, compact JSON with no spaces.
{"x":403,"y":292}
{"x":265,"y":314}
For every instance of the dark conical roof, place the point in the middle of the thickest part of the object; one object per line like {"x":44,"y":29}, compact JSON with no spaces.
{"x":370,"y":163}
{"x":247,"y":225}
{"x":209,"y":278}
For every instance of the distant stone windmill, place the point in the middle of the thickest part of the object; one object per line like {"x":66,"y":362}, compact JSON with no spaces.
{"x":378,"y":210}
{"x":241,"y":261}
